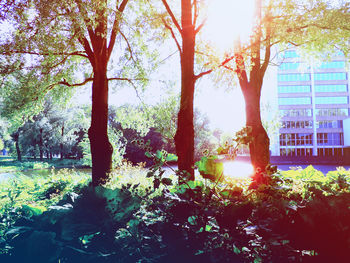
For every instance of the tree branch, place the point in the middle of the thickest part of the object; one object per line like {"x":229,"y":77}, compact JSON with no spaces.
{"x":90,"y":54}
{"x":76,"y":53}
{"x":240,"y":70}
{"x":223,"y":64}
{"x":90,"y":30}
{"x":172,"y":35}
{"x":129,"y":46}
{"x":115,"y":28}
{"x":171,"y":14}
{"x":267,"y":50}
{"x":66,"y":83}
{"x":200,"y":26}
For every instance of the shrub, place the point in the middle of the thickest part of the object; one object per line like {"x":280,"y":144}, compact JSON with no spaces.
{"x":299,"y":217}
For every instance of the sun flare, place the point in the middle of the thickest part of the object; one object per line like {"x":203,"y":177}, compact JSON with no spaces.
{"x":228,"y":20}
{"x":238,"y":169}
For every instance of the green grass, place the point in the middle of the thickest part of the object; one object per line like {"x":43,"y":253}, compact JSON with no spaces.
{"x":9,"y":164}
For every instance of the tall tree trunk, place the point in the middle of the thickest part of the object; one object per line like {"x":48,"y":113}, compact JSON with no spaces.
{"x":40,"y":144}
{"x":259,"y":146}
{"x":61,"y":145}
{"x":101,"y":149}
{"x":184,"y":137}
{"x":15,"y":137}
{"x":251,"y":89}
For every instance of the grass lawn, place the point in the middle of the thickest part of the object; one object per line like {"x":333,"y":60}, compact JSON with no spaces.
{"x":10,"y":164}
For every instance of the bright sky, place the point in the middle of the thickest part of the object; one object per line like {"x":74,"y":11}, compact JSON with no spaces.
{"x":224,"y":106}
{"x":227,"y":21}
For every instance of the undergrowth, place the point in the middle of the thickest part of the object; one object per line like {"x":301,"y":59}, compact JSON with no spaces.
{"x":156,"y":216}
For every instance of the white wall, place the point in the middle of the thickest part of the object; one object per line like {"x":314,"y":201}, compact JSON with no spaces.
{"x":346,"y":128}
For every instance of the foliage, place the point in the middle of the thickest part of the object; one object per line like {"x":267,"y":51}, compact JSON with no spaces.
{"x":300,"y":217}
{"x":7,"y":164}
{"x":117,"y":141}
{"x":156,"y":123}
{"x":24,"y":196}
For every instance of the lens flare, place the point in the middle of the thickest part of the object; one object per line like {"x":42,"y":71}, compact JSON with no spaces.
{"x":228,"y":20}
{"x":238,"y":169}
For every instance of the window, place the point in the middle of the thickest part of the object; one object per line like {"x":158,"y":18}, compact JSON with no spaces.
{"x":297,"y":124}
{"x":294,"y":89}
{"x":332,"y":64}
{"x":330,"y":139}
{"x":294,"y":101}
{"x":292,"y":139}
{"x":290,"y":54}
{"x":331,"y":88}
{"x":331,"y":100}
{"x":332,"y":112}
{"x":296,"y":113}
{"x":329,"y":124}
{"x":293,"y":77}
{"x":330,"y":76}
{"x":289,"y":65}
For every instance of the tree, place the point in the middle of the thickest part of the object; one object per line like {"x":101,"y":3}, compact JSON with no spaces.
{"x":186,"y":27}
{"x":308,"y":25}
{"x":58,"y":37}
{"x":250,"y":81}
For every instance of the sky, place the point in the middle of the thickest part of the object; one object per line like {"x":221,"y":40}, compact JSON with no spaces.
{"x":224,"y":106}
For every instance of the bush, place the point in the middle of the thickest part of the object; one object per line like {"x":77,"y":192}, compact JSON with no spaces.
{"x":299,"y":217}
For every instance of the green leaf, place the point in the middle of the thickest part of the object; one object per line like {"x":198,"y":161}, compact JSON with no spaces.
{"x":194,"y":184}
{"x":210,"y":168}
{"x":148,"y":154}
{"x":208,"y":228}
{"x":156,"y":183}
{"x":192,"y":220}
{"x":159,"y":155}
{"x":34,"y":210}
{"x":221,"y":150}
{"x":225,"y":193}
{"x":150,"y":174}
{"x":171,"y":158}
{"x":167,"y":181}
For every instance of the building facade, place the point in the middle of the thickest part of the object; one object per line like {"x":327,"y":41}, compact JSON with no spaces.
{"x":313,"y":101}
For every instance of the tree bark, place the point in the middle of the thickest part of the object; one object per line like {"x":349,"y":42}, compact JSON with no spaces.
{"x":251,"y":89}
{"x":259,"y":146}
{"x":40,"y":144}
{"x":101,"y":149}
{"x":184,"y":137}
{"x":61,"y":145}
{"x":15,"y":137}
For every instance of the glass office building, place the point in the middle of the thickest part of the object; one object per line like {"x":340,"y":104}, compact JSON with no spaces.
{"x":313,"y":101}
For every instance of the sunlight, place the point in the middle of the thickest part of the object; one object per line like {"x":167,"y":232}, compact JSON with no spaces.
{"x":227,"y":21}
{"x":238,"y":169}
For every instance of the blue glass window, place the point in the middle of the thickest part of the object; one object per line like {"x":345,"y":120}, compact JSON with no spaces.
{"x":331,"y":88}
{"x":293,"y":77}
{"x":330,"y":76}
{"x":294,"y":101}
{"x":290,"y":54}
{"x":331,"y":100}
{"x":289,"y":65}
{"x":294,"y":89}
{"x":332,"y":64}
